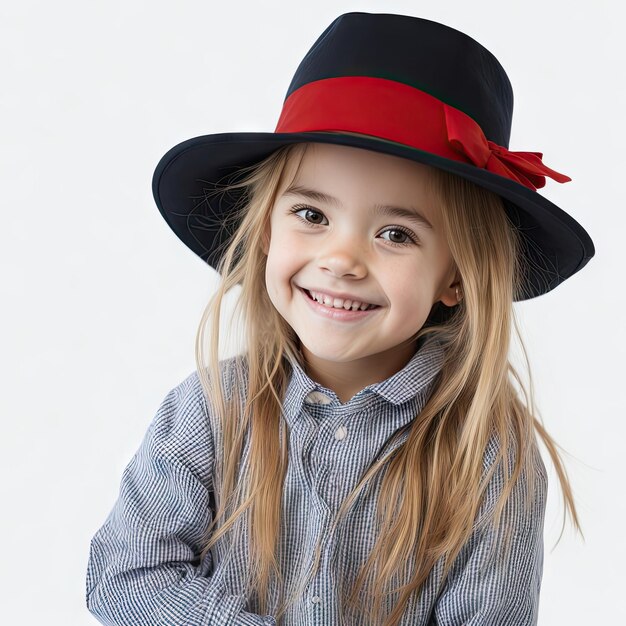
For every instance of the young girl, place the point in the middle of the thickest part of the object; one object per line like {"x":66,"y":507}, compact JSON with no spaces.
{"x":367,"y":458}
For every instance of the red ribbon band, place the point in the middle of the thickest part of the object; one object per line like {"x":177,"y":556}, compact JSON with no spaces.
{"x":408,"y":116}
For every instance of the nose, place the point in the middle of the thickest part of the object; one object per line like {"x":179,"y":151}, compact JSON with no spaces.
{"x":343,"y":258}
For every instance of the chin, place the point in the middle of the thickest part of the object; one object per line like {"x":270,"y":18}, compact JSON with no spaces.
{"x":330,"y":354}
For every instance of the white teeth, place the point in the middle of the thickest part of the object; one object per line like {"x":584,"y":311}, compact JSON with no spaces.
{"x":338,"y":303}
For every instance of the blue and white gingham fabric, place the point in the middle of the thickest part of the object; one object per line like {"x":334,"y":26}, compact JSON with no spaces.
{"x":144,"y":565}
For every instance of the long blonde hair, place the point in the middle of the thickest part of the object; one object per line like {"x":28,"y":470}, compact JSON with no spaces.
{"x":433,"y":484}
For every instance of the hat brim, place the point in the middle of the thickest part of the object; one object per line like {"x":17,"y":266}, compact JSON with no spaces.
{"x":555,"y":244}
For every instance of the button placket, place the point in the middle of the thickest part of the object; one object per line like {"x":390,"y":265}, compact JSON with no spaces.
{"x":331,"y":484}
{"x":332,"y":481}
{"x":341,"y":433}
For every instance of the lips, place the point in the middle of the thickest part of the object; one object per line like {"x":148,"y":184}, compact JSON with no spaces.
{"x":325,"y":298}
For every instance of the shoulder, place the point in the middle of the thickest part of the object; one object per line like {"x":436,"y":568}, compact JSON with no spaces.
{"x":526,"y":503}
{"x":534,"y":467}
{"x":185,"y":424}
{"x":190,"y":392}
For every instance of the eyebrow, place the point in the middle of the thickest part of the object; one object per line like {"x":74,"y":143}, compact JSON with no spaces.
{"x":395,"y":211}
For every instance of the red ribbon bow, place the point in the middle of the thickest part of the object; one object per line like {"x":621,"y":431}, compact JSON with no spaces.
{"x":467,"y":137}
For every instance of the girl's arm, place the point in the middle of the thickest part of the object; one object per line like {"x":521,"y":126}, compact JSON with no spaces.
{"x":482,"y":590}
{"x":143,"y":564}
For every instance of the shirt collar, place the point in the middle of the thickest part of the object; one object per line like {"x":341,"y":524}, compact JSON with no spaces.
{"x":415,"y":379}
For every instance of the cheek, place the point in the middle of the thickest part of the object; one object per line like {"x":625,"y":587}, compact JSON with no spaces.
{"x":278,"y":269}
{"x":410,"y":289}
{"x":284,"y":252}
{"x":272,"y":283}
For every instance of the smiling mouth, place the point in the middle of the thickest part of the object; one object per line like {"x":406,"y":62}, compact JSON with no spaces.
{"x":368,"y":307}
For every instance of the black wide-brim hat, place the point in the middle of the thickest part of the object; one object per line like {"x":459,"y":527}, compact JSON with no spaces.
{"x":409,"y":87}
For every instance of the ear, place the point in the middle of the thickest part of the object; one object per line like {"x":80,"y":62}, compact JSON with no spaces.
{"x":448,"y":294}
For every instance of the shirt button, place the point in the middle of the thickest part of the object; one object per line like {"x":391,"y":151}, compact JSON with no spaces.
{"x":316,"y":599}
{"x":317,"y":397}
{"x":341,"y":433}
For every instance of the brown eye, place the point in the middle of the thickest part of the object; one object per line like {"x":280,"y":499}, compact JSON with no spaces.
{"x":399,"y":237}
{"x":311,"y":216}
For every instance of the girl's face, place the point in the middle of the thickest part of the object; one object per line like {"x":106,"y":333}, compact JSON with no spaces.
{"x":338,"y":231}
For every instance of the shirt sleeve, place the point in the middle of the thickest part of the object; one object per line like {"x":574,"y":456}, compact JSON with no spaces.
{"x":483,"y":589}
{"x":144,"y":562}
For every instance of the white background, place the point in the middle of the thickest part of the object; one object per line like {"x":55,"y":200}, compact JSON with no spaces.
{"x":101,"y":302}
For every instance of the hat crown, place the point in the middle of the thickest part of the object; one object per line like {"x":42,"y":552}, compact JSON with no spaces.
{"x":420,"y":53}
